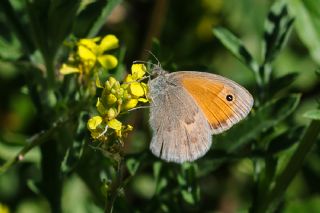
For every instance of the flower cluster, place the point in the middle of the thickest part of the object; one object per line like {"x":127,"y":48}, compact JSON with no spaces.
{"x":115,"y":100}
{"x":88,"y":59}
{"x":90,"y":55}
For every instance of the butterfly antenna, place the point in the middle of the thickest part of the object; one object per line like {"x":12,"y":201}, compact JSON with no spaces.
{"x":159,"y":64}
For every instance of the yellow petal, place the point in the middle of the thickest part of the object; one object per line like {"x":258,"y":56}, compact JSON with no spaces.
{"x":109,"y":42}
{"x":138,"y":71}
{"x":66,"y":69}
{"x":94,"y":122}
{"x":115,"y":124}
{"x":89,"y":43}
{"x":130,"y":104}
{"x":136,"y":89}
{"x":143,"y":100}
{"x":128,"y":78}
{"x":86,"y":54}
{"x":98,"y":82}
{"x":129,"y":127}
{"x":108,"y":61}
{"x":145,"y":88}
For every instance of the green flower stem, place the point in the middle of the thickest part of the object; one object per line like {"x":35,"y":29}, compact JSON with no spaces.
{"x":292,"y":168}
{"x":49,"y":61}
{"x":114,"y":187}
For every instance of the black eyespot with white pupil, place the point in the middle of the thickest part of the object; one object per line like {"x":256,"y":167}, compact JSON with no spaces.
{"x":229,"y":98}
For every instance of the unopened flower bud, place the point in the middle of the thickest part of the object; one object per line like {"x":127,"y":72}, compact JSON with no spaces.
{"x":111,"y":99}
{"x":112,"y":113}
{"x":112,"y":81}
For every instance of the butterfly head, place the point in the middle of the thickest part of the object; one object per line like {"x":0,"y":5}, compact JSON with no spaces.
{"x":157,"y":70}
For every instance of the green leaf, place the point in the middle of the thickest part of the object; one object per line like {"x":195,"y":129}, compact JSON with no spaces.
{"x":310,"y":204}
{"x":317,"y":71}
{"x":37,"y":11}
{"x":264,"y":118}
{"x":75,"y":151}
{"x":277,"y":29}
{"x":295,"y":163}
{"x":279,"y":84}
{"x":308,"y":24}
{"x":34,"y":186}
{"x":187,"y":196}
{"x":100,"y":21}
{"x":58,"y":30}
{"x":312,"y":114}
{"x":13,"y":21}
{"x":285,"y":140}
{"x":236,"y":47}
{"x":93,"y":17}
{"x":156,"y":169}
{"x":132,"y":165}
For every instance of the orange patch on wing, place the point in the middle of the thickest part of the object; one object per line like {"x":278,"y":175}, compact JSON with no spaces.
{"x":211,"y":98}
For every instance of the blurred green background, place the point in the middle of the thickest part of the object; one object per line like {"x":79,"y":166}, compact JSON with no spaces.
{"x":180,"y":35}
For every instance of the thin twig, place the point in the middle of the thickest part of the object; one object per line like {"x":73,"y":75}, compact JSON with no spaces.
{"x":33,"y":141}
{"x":292,"y":168}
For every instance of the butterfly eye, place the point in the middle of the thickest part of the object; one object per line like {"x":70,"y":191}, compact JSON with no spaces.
{"x":229,"y":97}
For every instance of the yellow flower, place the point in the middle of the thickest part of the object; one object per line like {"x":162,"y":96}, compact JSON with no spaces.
{"x":89,"y":50}
{"x":91,"y":53}
{"x":115,"y":99}
{"x":138,"y":90}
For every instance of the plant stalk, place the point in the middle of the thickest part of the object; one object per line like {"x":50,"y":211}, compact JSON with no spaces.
{"x":114,"y":187}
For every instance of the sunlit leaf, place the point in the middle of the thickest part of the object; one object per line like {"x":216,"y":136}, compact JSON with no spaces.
{"x":312,"y":114}
{"x":277,"y":29}
{"x":132,"y":165}
{"x":236,"y":47}
{"x":308,"y":24}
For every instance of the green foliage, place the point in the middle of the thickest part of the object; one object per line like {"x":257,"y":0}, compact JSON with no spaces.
{"x":307,"y":24}
{"x":49,"y":161}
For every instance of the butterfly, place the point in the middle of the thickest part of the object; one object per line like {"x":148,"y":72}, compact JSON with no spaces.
{"x":188,"y":107}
